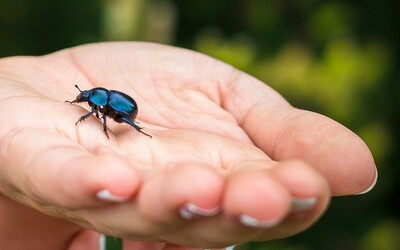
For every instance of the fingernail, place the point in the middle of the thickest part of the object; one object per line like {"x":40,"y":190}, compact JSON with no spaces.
{"x":253,"y":222}
{"x":106,"y":195}
{"x":227,"y":248}
{"x":102,"y":242}
{"x":303,"y":204}
{"x":190,"y":211}
{"x":372,"y":184}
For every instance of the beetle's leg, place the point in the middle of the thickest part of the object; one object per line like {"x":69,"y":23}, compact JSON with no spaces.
{"x":70,"y":102}
{"x":105,"y":125}
{"x":139,"y":129}
{"x":97,"y":114}
{"x":87,"y":115}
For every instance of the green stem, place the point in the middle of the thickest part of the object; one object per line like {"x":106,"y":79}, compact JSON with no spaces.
{"x":113,"y":243}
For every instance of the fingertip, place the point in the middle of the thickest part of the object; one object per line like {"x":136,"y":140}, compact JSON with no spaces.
{"x":195,"y":188}
{"x":368,"y":172}
{"x":356,"y":172}
{"x":107,"y":195}
{"x":337,"y":152}
{"x":256,"y":198}
{"x":113,"y":179}
{"x":188,"y":190}
{"x":123,"y":180}
{"x":104,"y":178}
{"x":308,"y":188}
{"x":196,"y":183}
{"x":87,"y":240}
{"x":302,"y":179}
{"x":371,"y":185}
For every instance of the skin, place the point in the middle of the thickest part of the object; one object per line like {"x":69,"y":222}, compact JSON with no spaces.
{"x":221,"y":139}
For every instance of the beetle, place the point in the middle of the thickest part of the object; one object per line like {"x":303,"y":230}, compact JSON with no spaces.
{"x":112,"y":103}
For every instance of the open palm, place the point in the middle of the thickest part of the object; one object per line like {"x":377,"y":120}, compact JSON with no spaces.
{"x":230,"y":160}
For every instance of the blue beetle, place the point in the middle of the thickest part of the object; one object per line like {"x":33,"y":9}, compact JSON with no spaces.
{"x":112,"y":103}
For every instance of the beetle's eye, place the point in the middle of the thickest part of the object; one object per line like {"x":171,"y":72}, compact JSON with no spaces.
{"x":85,"y":94}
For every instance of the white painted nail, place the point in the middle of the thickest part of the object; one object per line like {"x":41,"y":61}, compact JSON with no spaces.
{"x":253,"y":222}
{"x":102,"y":242}
{"x":300,"y":205}
{"x":372,"y":184}
{"x":106,"y":195}
{"x":190,"y":211}
{"x":227,"y":248}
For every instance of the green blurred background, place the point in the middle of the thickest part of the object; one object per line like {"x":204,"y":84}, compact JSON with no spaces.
{"x":339,"y":58}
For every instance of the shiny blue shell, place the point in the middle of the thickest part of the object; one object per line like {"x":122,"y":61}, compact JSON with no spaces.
{"x":99,"y":96}
{"x":122,"y":103}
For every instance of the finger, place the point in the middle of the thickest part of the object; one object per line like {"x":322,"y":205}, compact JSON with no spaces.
{"x":142,"y":245}
{"x":267,"y":201}
{"x":47,"y":168}
{"x":286,"y":133}
{"x":86,"y":240}
{"x":192,"y":186}
{"x":184,"y":183}
{"x":175,"y":247}
{"x":183,"y":191}
{"x":310,"y":196}
{"x":160,"y":207}
{"x":278,"y":200}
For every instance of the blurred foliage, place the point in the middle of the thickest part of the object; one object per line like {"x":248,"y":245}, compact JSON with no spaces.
{"x":339,"y":58}
{"x":112,"y":243}
{"x":384,"y":236}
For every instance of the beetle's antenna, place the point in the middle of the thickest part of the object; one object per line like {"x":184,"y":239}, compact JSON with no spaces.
{"x":76,"y":86}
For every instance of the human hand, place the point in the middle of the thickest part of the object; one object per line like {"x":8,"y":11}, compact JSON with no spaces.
{"x":222,"y":140}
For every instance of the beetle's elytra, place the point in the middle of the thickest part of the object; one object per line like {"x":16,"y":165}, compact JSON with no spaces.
{"x":112,"y":103}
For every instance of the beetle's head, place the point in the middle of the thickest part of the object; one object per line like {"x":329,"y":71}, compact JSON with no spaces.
{"x":83,"y":95}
